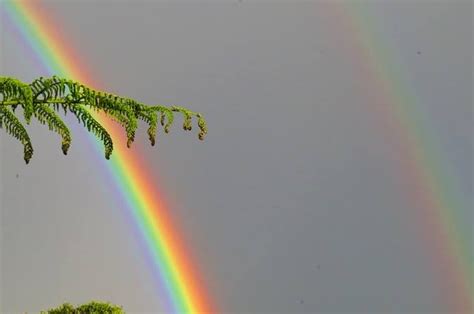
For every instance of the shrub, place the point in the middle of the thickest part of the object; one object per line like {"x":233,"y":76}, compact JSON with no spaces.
{"x":93,"y":307}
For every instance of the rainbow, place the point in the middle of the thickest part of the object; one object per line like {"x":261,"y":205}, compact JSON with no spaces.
{"x":439,"y":208}
{"x":177,"y":271}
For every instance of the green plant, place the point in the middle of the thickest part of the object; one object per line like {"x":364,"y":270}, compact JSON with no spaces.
{"x":45,"y":97}
{"x":93,"y":307}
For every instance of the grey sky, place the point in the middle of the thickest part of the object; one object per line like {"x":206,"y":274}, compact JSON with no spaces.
{"x":291,"y":205}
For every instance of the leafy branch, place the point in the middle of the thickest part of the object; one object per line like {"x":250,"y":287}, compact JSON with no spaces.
{"x":44,"y":98}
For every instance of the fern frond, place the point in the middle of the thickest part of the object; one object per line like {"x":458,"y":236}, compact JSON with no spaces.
{"x":166,"y":118}
{"x":94,"y":127}
{"x":150,"y":117}
{"x":187,"y":124}
{"x":187,"y":117}
{"x":202,"y":126}
{"x":124,"y":120}
{"x":14,"y":90}
{"x":45,"y":95}
{"x":46,"y":115}
{"x":121,"y":109}
{"x":131,"y":122}
{"x":14,"y":127}
{"x":47,"y":88}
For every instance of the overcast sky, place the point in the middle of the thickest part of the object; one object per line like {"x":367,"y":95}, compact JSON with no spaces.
{"x":293,"y":203}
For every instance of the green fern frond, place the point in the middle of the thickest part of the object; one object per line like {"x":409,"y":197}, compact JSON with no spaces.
{"x":150,"y":117}
{"x":125,"y":121}
{"x":14,"y":90}
{"x":10,"y":88}
{"x":45,"y":95}
{"x":187,"y":124}
{"x":13,"y":126}
{"x":167,"y":116}
{"x":123,"y":110}
{"x":132,"y":123}
{"x":94,"y":127}
{"x":46,"y":115}
{"x":202,"y":126}
{"x":48,"y":88}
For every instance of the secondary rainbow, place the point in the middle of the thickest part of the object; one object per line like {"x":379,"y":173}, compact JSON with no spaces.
{"x":439,"y":208}
{"x":154,"y":220}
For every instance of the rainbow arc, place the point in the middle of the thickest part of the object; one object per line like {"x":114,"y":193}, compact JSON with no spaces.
{"x":151,"y":215}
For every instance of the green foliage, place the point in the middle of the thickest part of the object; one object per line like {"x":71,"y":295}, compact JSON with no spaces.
{"x":14,"y":127}
{"x":66,"y":308}
{"x":45,"y":97}
{"x":93,"y":307}
{"x":93,"y":126}
{"x":46,"y":115}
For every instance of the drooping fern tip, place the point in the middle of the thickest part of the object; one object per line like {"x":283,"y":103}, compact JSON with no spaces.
{"x":45,"y":98}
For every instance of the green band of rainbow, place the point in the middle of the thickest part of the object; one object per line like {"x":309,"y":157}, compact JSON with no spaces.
{"x":131,"y":177}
